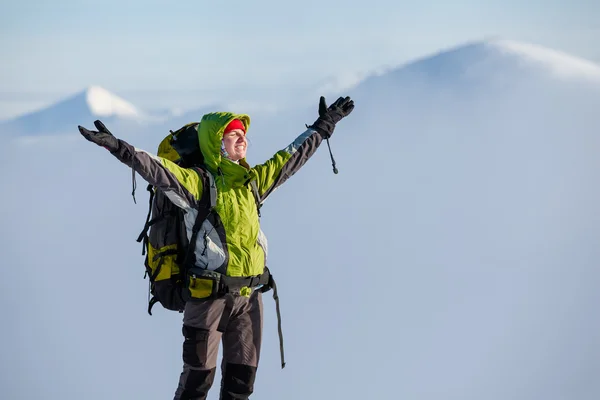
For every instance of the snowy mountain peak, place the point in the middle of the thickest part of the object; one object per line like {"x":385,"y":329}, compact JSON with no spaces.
{"x":485,"y":67}
{"x":92,"y":103}
{"x":103,"y":103}
{"x":558,"y":62}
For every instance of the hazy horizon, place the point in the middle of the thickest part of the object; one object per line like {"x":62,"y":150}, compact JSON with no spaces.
{"x":266,"y":56}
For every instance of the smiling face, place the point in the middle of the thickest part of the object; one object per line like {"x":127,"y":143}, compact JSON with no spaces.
{"x":235,"y":144}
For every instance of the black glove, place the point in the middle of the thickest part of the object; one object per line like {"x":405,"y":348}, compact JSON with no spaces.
{"x":102,"y":137}
{"x":329,"y":116}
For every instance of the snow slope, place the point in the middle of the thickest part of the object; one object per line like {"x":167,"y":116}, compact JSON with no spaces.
{"x":485,"y":67}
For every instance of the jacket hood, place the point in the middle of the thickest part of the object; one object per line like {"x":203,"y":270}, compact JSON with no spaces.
{"x":210,"y":135}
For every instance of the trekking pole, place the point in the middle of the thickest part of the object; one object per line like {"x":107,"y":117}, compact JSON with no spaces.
{"x":335,"y":170}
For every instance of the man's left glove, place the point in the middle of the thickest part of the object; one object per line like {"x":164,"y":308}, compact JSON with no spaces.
{"x":102,"y":137}
{"x":330,"y":116}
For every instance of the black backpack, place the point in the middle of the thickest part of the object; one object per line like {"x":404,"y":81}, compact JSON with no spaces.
{"x":165,"y":242}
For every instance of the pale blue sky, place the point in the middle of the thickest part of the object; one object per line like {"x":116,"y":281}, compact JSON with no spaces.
{"x":141,"y":48}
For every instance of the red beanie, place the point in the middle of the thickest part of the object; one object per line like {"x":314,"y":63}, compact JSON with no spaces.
{"x":235,"y":124}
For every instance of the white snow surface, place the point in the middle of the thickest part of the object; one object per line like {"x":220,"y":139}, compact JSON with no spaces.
{"x":560,"y":63}
{"x":103,"y":103}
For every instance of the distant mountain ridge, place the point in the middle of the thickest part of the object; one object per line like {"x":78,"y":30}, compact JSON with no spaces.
{"x":488,"y":63}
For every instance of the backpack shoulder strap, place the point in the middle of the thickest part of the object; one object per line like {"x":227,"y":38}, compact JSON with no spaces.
{"x":255,"y":192}
{"x":207,"y":204}
{"x":209,"y":187}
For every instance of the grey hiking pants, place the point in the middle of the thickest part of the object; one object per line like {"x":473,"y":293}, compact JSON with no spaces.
{"x":237,"y":322}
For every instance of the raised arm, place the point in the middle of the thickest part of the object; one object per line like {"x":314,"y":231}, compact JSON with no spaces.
{"x":181,"y":185}
{"x":286,"y":162}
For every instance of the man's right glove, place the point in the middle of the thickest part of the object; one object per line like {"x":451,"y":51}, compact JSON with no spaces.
{"x":329,"y":116}
{"x":102,"y":137}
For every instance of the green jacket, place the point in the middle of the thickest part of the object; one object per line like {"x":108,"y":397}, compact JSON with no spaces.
{"x":230,"y":240}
